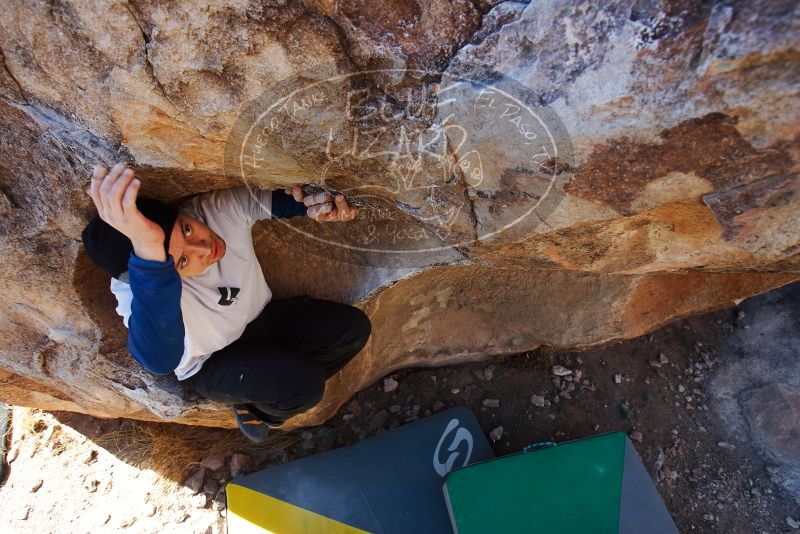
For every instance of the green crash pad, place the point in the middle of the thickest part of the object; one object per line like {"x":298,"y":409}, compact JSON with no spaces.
{"x":596,"y":485}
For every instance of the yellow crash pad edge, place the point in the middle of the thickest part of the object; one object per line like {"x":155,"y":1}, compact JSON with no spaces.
{"x":251,"y":512}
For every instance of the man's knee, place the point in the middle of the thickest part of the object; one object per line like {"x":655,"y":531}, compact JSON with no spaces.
{"x":313,"y":392}
{"x":305,"y":394}
{"x":360,"y":326}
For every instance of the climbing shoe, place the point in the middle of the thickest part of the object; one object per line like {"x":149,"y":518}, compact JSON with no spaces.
{"x":251,"y":426}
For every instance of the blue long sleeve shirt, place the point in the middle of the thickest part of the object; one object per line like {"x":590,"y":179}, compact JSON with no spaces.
{"x":155,"y":326}
{"x":285,"y":206}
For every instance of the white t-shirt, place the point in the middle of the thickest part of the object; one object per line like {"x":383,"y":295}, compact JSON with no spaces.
{"x":218,"y":303}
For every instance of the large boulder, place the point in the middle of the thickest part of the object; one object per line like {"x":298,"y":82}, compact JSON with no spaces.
{"x":555,"y":173}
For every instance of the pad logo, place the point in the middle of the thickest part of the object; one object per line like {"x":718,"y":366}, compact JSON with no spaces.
{"x":462,"y":435}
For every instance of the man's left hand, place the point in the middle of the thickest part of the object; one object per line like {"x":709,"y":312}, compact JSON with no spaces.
{"x":322,"y":207}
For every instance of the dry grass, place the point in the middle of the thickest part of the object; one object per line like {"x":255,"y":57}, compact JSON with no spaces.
{"x":173,"y":450}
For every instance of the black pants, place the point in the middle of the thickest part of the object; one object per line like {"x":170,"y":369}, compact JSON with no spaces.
{"x":279,"y":365}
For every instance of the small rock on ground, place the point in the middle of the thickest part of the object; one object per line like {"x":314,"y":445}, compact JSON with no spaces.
{"x":220,"y":499}
{"x":199,"y":501}
{"x":560,"y":370}
{"x":239,"y":463}
{"x":354,"y":408}
{"x":538,"y":400}
{"x":496,"y":433}
{"x":389,"y":384}
{"x":213,"y":462}
{"x":488,"y":373}
{"x":378,"y":419}
{"x":195,"y":481}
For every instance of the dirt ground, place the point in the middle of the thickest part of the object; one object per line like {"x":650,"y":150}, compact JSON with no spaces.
{"x":716,"y":426}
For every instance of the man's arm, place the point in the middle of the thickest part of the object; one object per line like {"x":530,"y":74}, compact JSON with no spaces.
{"x":155,"y":326}
{"x":285,"y":206}
{"x":322,"y":207}
{"x":155,"y":323}
{"x":154,"y":351}
{"x":249,"y":205}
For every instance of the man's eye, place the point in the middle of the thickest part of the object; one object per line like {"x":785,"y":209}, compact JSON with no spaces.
{"x":182,"y":261}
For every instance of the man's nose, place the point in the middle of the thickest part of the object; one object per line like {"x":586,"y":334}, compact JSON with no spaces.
{"x":201,"y":247}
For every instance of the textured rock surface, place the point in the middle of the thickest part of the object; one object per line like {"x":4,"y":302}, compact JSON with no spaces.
{"x":676,"y":190}
{"x":757,"y":393}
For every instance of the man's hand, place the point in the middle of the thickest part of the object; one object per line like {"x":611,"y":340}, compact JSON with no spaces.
{"x":320,"y":207}
{"x":114,"y":196}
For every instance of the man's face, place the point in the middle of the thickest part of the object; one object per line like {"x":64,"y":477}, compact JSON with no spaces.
{"x":194,"y":246}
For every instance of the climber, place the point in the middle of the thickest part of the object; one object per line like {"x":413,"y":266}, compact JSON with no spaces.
{"x":192,"y":294}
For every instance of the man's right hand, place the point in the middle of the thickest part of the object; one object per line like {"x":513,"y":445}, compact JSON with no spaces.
{"x":114,"y":195}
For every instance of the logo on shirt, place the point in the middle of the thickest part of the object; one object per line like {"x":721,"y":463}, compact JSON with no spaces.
{"x":228,"y":295}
